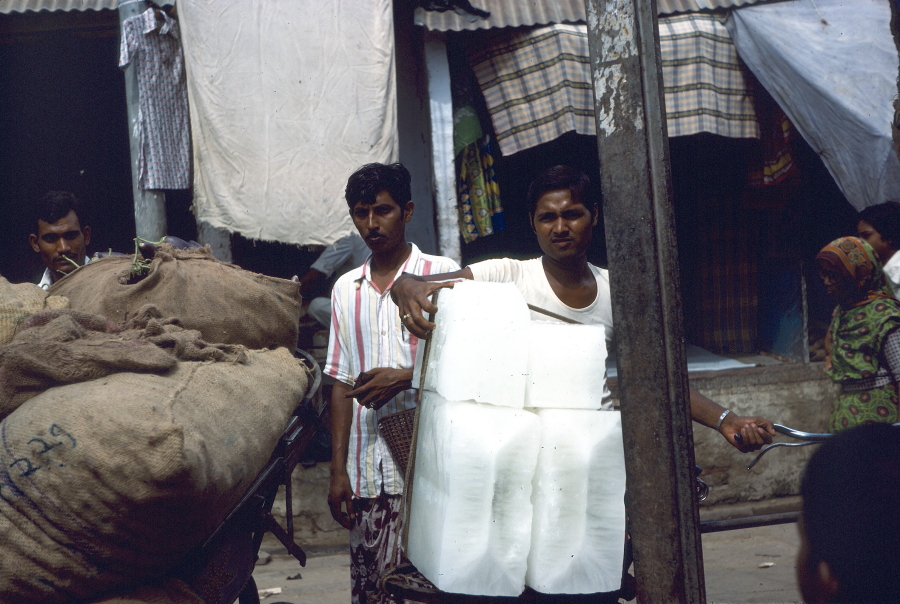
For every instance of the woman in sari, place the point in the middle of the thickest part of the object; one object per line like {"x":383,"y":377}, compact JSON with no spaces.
{"x":863,"y":341}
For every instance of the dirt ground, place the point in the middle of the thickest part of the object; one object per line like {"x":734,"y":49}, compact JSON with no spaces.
{"x":750,"y":565}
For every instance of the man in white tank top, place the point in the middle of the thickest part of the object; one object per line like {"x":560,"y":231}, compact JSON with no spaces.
{"x":564,"y":283}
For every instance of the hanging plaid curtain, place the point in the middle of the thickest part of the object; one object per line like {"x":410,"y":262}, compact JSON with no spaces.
{"x":480,"y":212}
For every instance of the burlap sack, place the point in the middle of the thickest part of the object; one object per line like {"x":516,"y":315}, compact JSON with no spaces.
{"x":225,"y":303}
{"x":20,"y":301}
{"x":55,"y":347}
{"x":108,"y":483}
{"x":167,"y":591}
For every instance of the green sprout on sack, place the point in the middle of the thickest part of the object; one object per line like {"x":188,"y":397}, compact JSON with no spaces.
{"x":72,"y":262}
{"x":140,"y":267}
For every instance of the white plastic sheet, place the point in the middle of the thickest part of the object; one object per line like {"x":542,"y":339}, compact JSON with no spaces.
{"x":287,"y":100}
{"x":832,"y":66}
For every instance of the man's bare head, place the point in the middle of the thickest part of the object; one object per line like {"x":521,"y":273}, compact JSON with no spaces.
{"x":59,"y":237}
{"x":850,"y":529}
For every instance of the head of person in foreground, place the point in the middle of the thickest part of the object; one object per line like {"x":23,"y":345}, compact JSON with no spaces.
{"x":850,"y":526}
{"x":58,"y":236}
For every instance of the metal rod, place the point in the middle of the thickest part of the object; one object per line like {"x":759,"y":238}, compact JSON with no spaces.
{"x":646,"y":301}
{"x":733,"y":524}
{"x":774,"y":445}
{"x":553,"y":315}
{"x":813,"y":436}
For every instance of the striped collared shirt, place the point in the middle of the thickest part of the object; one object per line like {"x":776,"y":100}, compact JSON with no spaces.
{"x":366,"y":332}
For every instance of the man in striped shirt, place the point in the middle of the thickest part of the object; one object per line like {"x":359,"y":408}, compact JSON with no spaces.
{"x":371,"y":356}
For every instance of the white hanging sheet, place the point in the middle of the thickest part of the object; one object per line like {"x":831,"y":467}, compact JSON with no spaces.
{"x":287,"y":100}
{"x":832,"y":65}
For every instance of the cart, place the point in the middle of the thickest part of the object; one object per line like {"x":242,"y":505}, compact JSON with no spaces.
{"x":220,"y":570}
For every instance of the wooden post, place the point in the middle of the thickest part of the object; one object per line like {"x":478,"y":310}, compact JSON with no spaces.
{"x":646,"y":300}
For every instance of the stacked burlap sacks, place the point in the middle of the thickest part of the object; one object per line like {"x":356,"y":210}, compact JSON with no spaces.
{"x":20,"y":301}
{"x":224,"y":302}
{"x":106,"y":484}
{"x":57,"y":347}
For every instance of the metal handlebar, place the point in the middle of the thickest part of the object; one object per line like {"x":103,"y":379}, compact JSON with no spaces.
{"x":809,"y":438}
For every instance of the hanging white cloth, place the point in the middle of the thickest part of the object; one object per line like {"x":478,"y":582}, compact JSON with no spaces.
{"x":287,"y":100}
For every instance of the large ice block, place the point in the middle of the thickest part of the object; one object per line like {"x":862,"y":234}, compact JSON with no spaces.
{"x":470,"y":514}
{"x":479,"y":349}
{"x":578,"y":532}
{"x":566,"y":366}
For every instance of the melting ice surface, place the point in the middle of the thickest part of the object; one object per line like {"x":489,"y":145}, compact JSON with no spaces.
{"x":578,"y":530}
{"x":566,"y":366}
{"x":470,"y":516}
{"x":479,"y":349}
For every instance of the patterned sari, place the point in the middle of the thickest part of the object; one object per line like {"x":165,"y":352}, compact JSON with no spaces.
{"x":856,"y":336}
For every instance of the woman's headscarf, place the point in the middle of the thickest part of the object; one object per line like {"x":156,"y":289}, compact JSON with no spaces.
{"x":854,"y":338}
{"x":856,"y":260}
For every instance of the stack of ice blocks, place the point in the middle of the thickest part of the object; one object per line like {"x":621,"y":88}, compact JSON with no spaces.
{"x":479,"y":350}
{"x":470,"y":522}
{"x":566,"y":366}
{"x":504,"y":496}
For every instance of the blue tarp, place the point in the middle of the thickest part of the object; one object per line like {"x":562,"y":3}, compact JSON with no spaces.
{"x":832,"y":65}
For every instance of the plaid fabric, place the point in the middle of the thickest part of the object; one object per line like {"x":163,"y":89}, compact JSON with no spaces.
{"x":537,"y":83}
{"x":705,"y":87}
{"x":727,"y":296}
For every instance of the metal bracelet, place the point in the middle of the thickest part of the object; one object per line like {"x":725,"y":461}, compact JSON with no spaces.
{"x":722,"y":419}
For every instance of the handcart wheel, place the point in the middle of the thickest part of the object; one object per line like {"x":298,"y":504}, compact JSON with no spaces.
{"x":249,"y":595}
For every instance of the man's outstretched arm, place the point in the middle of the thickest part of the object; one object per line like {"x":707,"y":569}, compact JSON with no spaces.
{"x":412,"y":293}
{"x":412,"y":296}
{"x":743,"y":433}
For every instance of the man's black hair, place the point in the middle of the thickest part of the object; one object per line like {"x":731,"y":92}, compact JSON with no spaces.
{"x":55,"y":205}
{"x":885,"y":218}
{"x":371,"y":179}
{"x":560,"y":177}
{"x":851,"y":512}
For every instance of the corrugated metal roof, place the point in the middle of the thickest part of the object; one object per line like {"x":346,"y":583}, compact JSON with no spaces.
{"x":22,"y":6}
{"x":518,"y":13}
{"x":505,"y":13}
{"x":670,"y":7}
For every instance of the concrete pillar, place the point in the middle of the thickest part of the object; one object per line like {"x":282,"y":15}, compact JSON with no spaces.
{"x":149,"y":206}
{"x":441,"y":109}
{"x":219,"y":240}
{"x":635,"y":178}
